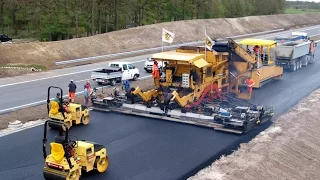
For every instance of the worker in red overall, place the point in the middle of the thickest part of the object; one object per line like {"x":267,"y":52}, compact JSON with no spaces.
{"x":250,"y":84}
{"x":155,"y":73}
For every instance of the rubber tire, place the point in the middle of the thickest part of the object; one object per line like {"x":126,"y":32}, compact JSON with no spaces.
{"x":85,"y":120}
{"x":101,"y":168}
{"x":300,"y":64}
{"x":311,"y":61}
{"x":113,"y":82}
{"x":135,"y":77}
{"x":293,"y":68}
{"x":76,"y":175}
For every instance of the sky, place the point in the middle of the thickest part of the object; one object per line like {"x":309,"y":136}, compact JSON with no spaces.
{"x":306,"y":0}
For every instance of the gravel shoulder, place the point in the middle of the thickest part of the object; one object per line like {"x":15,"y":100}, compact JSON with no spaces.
{"x":289,"y":149}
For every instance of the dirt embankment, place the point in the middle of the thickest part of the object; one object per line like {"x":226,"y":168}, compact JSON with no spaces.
{"x":40,"y":112}
{"x":290,"y":149}
{"x":46,"y":53}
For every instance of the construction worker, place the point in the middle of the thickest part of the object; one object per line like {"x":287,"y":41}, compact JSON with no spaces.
{"x":72,"y":90}
{"x":155,"y":73}
{"x":250,"y":84}
{"x":64,"y":107}
{"x":88,"y":86}
{"x":126,"y":85}
{"x":86,"y":95}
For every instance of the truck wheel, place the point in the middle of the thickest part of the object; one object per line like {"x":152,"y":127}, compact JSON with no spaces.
{"x":113,"y":82}
{"x":300,"y":64}
{"x":311,"y":60}
{"x":293,"y":67}
{"x":135,"y":77}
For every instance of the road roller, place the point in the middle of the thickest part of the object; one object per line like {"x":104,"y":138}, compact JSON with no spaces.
{"x":69,"y":113}
{"x":68,"y":159}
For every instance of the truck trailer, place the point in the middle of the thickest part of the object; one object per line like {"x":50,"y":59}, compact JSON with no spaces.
{"x":295,"y":51}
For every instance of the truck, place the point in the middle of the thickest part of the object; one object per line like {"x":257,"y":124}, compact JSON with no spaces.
{"x":115,"y":72}
{"x":109,"y":75}
{"x":295,"y":51}
{"x":295,"y":55}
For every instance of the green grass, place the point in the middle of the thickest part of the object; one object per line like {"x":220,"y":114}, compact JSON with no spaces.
{"x":300,"y":11}
{"x":25,"y":66}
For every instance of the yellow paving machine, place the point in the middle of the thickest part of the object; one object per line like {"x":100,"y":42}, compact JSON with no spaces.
{"x":69,"y":158}
{"x":69,"y":113}
{"x":200,"y":84}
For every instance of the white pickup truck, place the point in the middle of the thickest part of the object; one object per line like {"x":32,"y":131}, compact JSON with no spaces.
{"x":116,"y":72}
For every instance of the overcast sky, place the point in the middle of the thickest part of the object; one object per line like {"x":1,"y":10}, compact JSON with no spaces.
{"x":306,"y":0}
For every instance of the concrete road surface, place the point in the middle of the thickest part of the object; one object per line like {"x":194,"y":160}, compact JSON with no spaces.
{"x":31,"y":89}
{"x":142,"y":148}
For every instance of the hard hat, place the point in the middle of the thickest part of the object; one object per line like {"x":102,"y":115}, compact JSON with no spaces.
{"x":71,"y":80}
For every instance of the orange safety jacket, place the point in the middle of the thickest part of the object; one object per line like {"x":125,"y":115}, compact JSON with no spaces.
{"x":155,"y":71}
{"x":250,"y":82}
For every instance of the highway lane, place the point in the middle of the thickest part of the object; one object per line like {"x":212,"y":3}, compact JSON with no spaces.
{"x":142,"y":148}
{"x":34,"y":88}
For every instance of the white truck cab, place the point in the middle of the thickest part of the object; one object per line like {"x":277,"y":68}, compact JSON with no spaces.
{"x":129,"y":71}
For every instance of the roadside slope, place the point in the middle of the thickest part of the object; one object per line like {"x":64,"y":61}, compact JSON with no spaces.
{"x":46,"y":53}
{"x":289,"y":149}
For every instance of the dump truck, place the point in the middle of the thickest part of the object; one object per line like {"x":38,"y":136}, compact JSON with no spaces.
{"x":296,"y":51}
{"x":197,"y":85}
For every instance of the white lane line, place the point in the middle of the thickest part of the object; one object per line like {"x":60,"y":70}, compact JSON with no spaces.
{"x":61,"y":75}
{"x":44,"y":101}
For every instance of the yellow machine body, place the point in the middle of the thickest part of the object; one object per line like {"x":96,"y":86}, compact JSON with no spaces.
{"x":87,"y":157}
{"x":210,"y":69}
{"x":77,"y":114}
{"x":264,"y":67}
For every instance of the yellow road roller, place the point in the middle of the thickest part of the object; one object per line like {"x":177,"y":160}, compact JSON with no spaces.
{"x":69,"y":113}
{"x":68,"y":158}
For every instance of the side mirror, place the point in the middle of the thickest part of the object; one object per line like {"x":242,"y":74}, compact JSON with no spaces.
{"x":133,"y":66}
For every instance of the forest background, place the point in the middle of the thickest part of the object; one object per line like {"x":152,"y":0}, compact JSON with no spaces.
{"x":52,"y":20}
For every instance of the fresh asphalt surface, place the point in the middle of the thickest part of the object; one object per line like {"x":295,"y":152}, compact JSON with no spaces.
{"x":142,"y":148}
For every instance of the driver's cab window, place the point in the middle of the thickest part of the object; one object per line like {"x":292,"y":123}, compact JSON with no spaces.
{"x":125,"y":67}
{"x":130,"y":66}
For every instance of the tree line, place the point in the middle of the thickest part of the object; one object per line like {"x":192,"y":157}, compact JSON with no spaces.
{"x":50,"y":20}
{"x":302,"y":5}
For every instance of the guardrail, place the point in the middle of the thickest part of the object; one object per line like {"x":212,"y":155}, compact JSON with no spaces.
{"x":94,"y":58}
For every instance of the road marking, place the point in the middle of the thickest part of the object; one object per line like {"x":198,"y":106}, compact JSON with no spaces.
{"x":44,"y":101}
{"x":61,"y":75}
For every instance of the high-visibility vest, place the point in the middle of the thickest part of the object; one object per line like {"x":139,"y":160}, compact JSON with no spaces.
{"x":155,"y":71}
{"x":250,"y":82}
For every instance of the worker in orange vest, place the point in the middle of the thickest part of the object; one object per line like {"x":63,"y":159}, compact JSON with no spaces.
{"x":250,"y":84}
{"x":155,"y":73}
